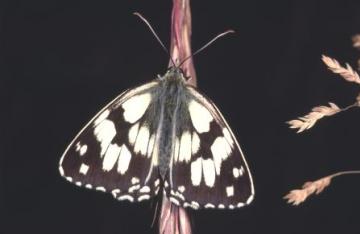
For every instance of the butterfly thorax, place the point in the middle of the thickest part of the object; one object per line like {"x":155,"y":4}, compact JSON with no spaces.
{"x":173,"y":74}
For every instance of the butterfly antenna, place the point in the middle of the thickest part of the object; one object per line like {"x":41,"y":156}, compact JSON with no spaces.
{"x":155,"y":35}
{"x":206,"y":45}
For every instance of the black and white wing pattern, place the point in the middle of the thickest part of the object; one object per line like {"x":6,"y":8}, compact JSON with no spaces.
{"x":117,"y":151}
{"x":207,"y":167}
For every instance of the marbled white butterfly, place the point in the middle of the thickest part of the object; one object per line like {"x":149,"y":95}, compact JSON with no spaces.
{"x":164,"y":135}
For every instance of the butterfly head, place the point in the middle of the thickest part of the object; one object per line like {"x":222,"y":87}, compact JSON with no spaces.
{"x":175,"y":74}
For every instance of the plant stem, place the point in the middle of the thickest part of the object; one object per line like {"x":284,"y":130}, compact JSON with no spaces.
{"x":349,"y":107}
{"x":174,"y":219}
{"x":181,"y":37}
{"x":344,"y":173}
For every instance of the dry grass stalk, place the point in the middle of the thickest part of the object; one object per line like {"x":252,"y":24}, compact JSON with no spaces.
{"x":174,"y":219}
{"x":181,"y":30}
{"x":306,"y":122}
{"x":298,"y":196}
{"x":346,"y":72}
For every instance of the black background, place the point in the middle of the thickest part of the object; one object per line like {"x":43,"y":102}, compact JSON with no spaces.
{"x":63,"y":60}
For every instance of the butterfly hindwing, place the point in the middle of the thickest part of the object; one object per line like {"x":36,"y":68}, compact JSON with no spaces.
{"x":116,"y":151}
{"x":208,"y":169}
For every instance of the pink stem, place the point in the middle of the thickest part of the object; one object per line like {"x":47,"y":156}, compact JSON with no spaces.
{"x":181,"y":37}
{"x":174,"y":219}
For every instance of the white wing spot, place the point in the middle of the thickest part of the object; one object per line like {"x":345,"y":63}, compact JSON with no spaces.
{"x":181,"y":188}
{"x":209,"y":205}
{"x":77,"y":146}
{"x":83,"y":169}
{"x":126,"y":197}
{"x":89,"y":186}
{"x":175,"y":201}
{"x":145,"y":189}
{"x":205,"y":167}
{"x":80,"y":148}
{"x":155,"y":154}
{"x":220,"y":152}
{"x":124,"y":160}
{"x":69,"y":179}
{"x":134,"y":188}
{"x":133,"y":132}
{"x":157,"y":182}
{"x":240,"y":204}
{"x":177,"y":194}
{"x":78,"y":183}
{"x":144,"y":197}
{"x":196,"y":172}
{"x":100,"y":188}
{"x":83,"y":150}
{"x":101,"y":117}
{"x":231,"y":207}
{"x":176,"y":150}
{"x":142,"y":140}
{"x":228,"y":148}
{"x":195,"y":143}
{"x":228,"y":137}
{"x":111,"y":156}
{"x":151,"y":146}
{"x":200,"y":117}
{"x":241,"y":171}
{"x":230,"y":191}
{"x":135,"y":180}
{"x":195,"y":205}
{"x":221,"y":206}
{"x":238,"y":172}
{"x":104,"y":133}
{"x":209,"y":172}
{"x":115,"y":192}
{"x":250,"y":199}
{"x":135,"y":107}
{"x":185,"y":147}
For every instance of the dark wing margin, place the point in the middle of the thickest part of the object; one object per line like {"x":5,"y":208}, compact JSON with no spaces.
{"x":116,"y":151}
{"x":208,"y":168}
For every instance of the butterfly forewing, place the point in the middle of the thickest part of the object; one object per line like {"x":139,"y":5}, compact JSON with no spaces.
{"x":208,"y":169}
{"x":117,"y":150}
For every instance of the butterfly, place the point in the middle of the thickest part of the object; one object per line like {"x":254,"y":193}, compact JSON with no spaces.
{"x":164,"y":135}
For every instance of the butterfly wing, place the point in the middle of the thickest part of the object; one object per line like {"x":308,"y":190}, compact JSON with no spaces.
{"x":208,"y":168}
{"x":117,"y":150}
